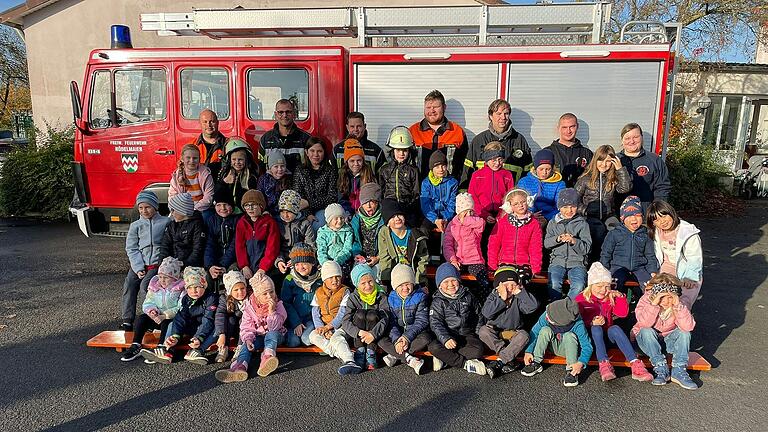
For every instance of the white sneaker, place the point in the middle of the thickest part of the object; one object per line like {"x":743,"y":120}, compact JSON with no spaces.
{"x":196,"y":357}
{"x":416,"y":363}
{"x":437,"y":364}
{"x":390,"y":360}
{"x":475,"y":366}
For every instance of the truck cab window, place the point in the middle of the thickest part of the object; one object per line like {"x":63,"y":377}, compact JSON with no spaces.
{"x":204,"y":89}
{"x":99,"y":112}
{"x":267,"y":86}
{"x":140,"y":97}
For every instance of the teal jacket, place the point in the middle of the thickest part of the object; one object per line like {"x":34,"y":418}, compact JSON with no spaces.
{"x":579,"y":329}
{"x":334,"y":245}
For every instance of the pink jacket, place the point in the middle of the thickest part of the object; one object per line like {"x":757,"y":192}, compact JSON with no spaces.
{"x":648,"y":316}
{"x":511,"y":245}
{"x":254,"y":324}
{"x":462,"y":240}
{"x":603,"y":307}
{"x":488,"y":188}
{"x":206,"y":184}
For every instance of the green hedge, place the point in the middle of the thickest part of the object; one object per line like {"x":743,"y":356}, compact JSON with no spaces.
{"x":37,"y":178}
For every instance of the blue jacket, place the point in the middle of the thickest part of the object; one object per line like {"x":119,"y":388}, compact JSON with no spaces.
{"x":650,"y":178}
{"x":439,"y":202}
{"x":579,"y":329}
{"x":142,"y":245}
{"x":630,"y":250}
{"x":297,"y":302}
{"x":220,"y":247}
{"x":409,"y":316}
{"x":334,"y":245}
{"x":545,"y":192}
{"x":357,"y":242}
{"x":196,"y":316}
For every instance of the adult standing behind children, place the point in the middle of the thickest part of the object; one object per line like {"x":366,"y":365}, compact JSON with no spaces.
{"x":650,"y":178}
{"x":285,"y":136}
{"x":357,"y":129}
{"x":211,"y":142}
{"x":517,"y":153}
{"x":316,"y":181}
{"x":436,"y":133}
{"x":571,"y":157}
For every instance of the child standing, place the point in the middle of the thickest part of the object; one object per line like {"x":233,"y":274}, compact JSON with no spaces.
{"x":462,"y":242}
{"x":502,"y":317}
{"x":627,"y":250}
{"x":220,"y":247}
{"x":159,"y":307}
{"x":334,"y":239}
{"x":661,"y":315}
{"x":257,"y":238}
{"x":192,"y":178}
{"x":409,"y":317}
{"x":560,"y":328}
{"x":294,"y":228}
{"x":366,"y":320}
{"x":490,"y":183}
{"x":438,"y":194}
{"x":143,"y":247}
{"x":399,"y":177}
{"x":569,"y":239}
{"x":184,"y":236}
{"x":518,"y":231}
{"x":400,"y":244}
{"x":329,"y":306}
{"x":262,"y":326}
{"x":543,"y":183}
{"x":273,"y":182}
{"x":353,"y":175}
{"x":365,"y":225}
{"x":239,"y":171}
{"x":230,"y":311}
{"x":598,"y":305}
{"x":453,"y":318}
{"x":298,"y":291}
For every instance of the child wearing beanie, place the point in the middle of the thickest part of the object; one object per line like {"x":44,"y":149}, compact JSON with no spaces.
{"x":516,"y":237}
{"x":399,"y":177}
{"x":502,"y":319}
{"x":569,"y":240}
{"x":194,"y":319}
{"x":143,"y":247}
{"x":661,"y":315}
{"x":453,"y":317}
{"x":628,"y":252}
{"x":598,"y":306}
{"x":257,"y":238}
{"x":353,"y":175}
{"x":490,"y":183}
{"x":160,"y":305}
{"x":329,"y":306}
{"x":274,"y":181}
{"x":184,"y":236}
{"x":366,"y":320}
{"x":438,"y":194}
{"x":193,"y":178}
{"x":220,"y":247}
{"x":544,"y":184}
{"x":399,"y":243}
{"x":239,"y":171}
{"x":409,"y":317}
{"x":294,"y":228}
{"x":365,"y":226}
{"x":334,"y":239}
{"x":230,"y":311}
{"x":462,"y":243}
{"x":560,"y":328}
{"x":297,"y":293}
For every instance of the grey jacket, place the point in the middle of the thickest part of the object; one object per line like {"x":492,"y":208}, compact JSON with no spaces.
{"x":598,"y":203}
{"x":298,"y":231}
{"x":565,"y":254}
{"x":142,"y":245}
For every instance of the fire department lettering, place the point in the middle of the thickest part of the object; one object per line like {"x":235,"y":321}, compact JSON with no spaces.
{"x":130,"y":162}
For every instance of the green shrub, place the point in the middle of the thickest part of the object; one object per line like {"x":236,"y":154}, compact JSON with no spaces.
{"x":37,"y":178}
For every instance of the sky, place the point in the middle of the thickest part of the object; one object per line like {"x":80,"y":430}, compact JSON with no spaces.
{"x":7,"y":4}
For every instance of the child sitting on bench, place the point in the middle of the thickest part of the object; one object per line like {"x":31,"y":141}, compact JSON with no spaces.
{"x":366,"y":320}
{"x":298,"y":291}
{"x":518,"y":232}
{"x":230,"y":311}
{"x":257,"y":237}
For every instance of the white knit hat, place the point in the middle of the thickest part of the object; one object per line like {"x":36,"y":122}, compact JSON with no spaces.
{"x":598,"y":274}
{"x":401,"y":274}
{"x":232,"y":278}
{"x":330,"y":269}
{"x":334,"y":210}
{"x":464,"y":201}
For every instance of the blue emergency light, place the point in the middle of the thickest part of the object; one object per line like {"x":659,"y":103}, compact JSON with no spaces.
{"x":121,"y":37}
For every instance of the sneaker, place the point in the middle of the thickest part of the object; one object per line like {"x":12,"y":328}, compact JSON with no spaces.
{"x":359,"y":357}
{"x":196,"y":357}
{"x":662,"y":374}
{"x":158,"y":355}
{"x":370,"y":360}
{"x":416,"y":363}
{"x":268,"y":363}
{"x":475,"y":366}
{"x":606,"y":371}
{"x":132,"y":353}
{"x":570,"y":380}
{"x":437,"y":364}
{"x":126,"y":326}
{"x":493,"y":368}
{"x":350,"y":368}
{"x":222,"y":354}
{"x":680,"y":376}
{"x":531,"y":369}
{"x":639,"y":372}
{"x":390,"y":360}
{"x":148,"y":361}
{"x":236,"y":373}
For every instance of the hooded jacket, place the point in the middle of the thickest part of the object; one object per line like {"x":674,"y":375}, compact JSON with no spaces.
{"x":579,"y":329}
{"x":650,"y":177}
{"x":518,"y":154}
{"x":184,"y":241}
{"x":416,"y":254}
{"x":334,"y":245}
{"x":220,"y":247}
{"x":571,"y":161}
{"x":165,"y":300}
{"x":597,"y":202}
{"x":400,"y":181}
{"x":298,"y":230}
{"x":450,"y":317}
{"x":462,"y":240}
{"x":689,"y":254}
{"x":143,"y":242}
{"x":511,"y":245}
{"x":488,"y":188}
{"x":544,"y":191}
{"x":439,"y":202}
{"x":196,"y":315}
{"x":623,"y":248}
{"x":257,"y":243}
{"x":409,"y":316}
{"x":565,"y":254}
{"x":255,"y":324}
{"x":648,"y":317}
{"x":508,"y":316}
{"x":355,"y":303}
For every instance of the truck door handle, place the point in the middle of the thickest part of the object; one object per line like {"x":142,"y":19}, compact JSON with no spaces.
{"x":164,"y":152}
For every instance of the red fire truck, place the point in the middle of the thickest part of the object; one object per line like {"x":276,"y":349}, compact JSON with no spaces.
{"x":139,"y":106}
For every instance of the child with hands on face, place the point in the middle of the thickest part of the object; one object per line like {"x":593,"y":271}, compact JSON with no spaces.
{"x":297,"y":293}
{"x":257,"y":237}
{"x":294,"y":228}
{"x":230,"y":311}
{"x":462,"y":242}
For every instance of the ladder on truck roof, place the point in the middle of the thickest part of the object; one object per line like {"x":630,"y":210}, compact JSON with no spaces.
{"x":541,"y":24}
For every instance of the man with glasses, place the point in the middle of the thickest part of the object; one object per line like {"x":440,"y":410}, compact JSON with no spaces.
{"x":285,"y":136}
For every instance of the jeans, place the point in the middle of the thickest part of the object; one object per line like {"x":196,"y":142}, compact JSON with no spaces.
{"x":507,"y":350}
{"x":337,"y":346}
{"x":209,"y":341}
{"x":617,"y":336}
{"x":567,"y":345}
{"x":577,"y":277}
{"x":291,"y":340}
{"x":622,"y":275}
{"x":131,"y":288}
{"x":678,"y":343}
{"x":269,"y":341}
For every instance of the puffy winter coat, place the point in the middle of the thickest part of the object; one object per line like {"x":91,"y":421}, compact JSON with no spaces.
{"x":408,"y":316}
{"x":255,"y":324}
{"x":565,"y":254}
{"x":220,"y":247}
{"x":511,"y":245}
{"x":416,"y":254}
{"x":518,"y":154}
{"x":450,"y":317}
{"x":488,"y":188}
{"x":690,"y":259}
{"x":226,"y":320}
{"x":623,"y":248}
{"x":355,"y":303}
{"x":144,"y":240}
{"x":297,"y":301}
{"x":297,"y":231}
{"x":597,"y":202}
{"x":544,"y":191}
{"x":462,"y":240}
{"x":184,"y":241}
{"x":165,"y":300}
{"x":439,"y":202}
{"x":507,"y":316}
{"x":334,"y":245}
{"x":257,"y":243}
{"x":196,"y":317}
{"x":595,"y":308}
{"x":400,"y":181}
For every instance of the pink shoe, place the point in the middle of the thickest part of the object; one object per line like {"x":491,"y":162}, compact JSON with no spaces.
{"x":606,"y":371}
{"x":639,"y":372}
{"x":236,"y":373}
{"x":268,"y":363}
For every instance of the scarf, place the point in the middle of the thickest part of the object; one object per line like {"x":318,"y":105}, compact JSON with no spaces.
{"x":518,"y":222}
{"x":559,"y":330}
{"x":433,"y":179}
{"x":452,"y":297}
{"x":370,"y":221}
{"x":305,"y":282}
{"x":500,"y":136}
{"x":369,"y":299}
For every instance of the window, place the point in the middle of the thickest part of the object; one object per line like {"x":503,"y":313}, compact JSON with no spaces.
{"x":721,"y":125}
{"x":140,"y":97}
{"x":267,"y":86}
{"x":204,"y":89}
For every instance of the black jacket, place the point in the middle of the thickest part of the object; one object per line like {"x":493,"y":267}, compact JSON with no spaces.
{"x":517,"y":153}
{"x":184,"y":241}
{"x":292,"y":146}
{"x":374,"y":154}
{"x":196,"y":317}
{"x":571,"y":161}
{"x":650,"y":177}
{"x":502,"y":316}
{"x":453,"y":317}
{"x":355,"y":303}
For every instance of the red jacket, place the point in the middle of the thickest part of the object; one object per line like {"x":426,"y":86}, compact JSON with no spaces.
{"x":511,"y":245}
{"x":488,"y":188}
{"x":257,"y":244}
{"x":602,"y":307}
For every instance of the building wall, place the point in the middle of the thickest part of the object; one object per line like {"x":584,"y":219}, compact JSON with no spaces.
{"x":60,"y":37}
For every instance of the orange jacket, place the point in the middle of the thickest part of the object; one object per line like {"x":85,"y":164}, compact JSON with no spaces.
{"x":449,"y":138}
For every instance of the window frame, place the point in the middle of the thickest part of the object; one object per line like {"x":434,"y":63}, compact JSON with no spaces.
{"x":113,"y":91}
{"x":247,"y":88}
{"x":227,"y":86}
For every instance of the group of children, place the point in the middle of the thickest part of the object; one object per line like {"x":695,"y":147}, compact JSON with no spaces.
{"x":357,"y":283}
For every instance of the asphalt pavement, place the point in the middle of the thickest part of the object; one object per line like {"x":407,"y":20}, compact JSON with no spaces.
{"x":58,"y":288}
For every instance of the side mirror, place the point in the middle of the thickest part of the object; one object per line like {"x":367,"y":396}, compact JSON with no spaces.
{"x":77,"y":108}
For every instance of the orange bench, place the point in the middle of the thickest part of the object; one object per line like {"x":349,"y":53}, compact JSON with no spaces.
{"x":538,"y":279}
{"x":120,"y":340}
